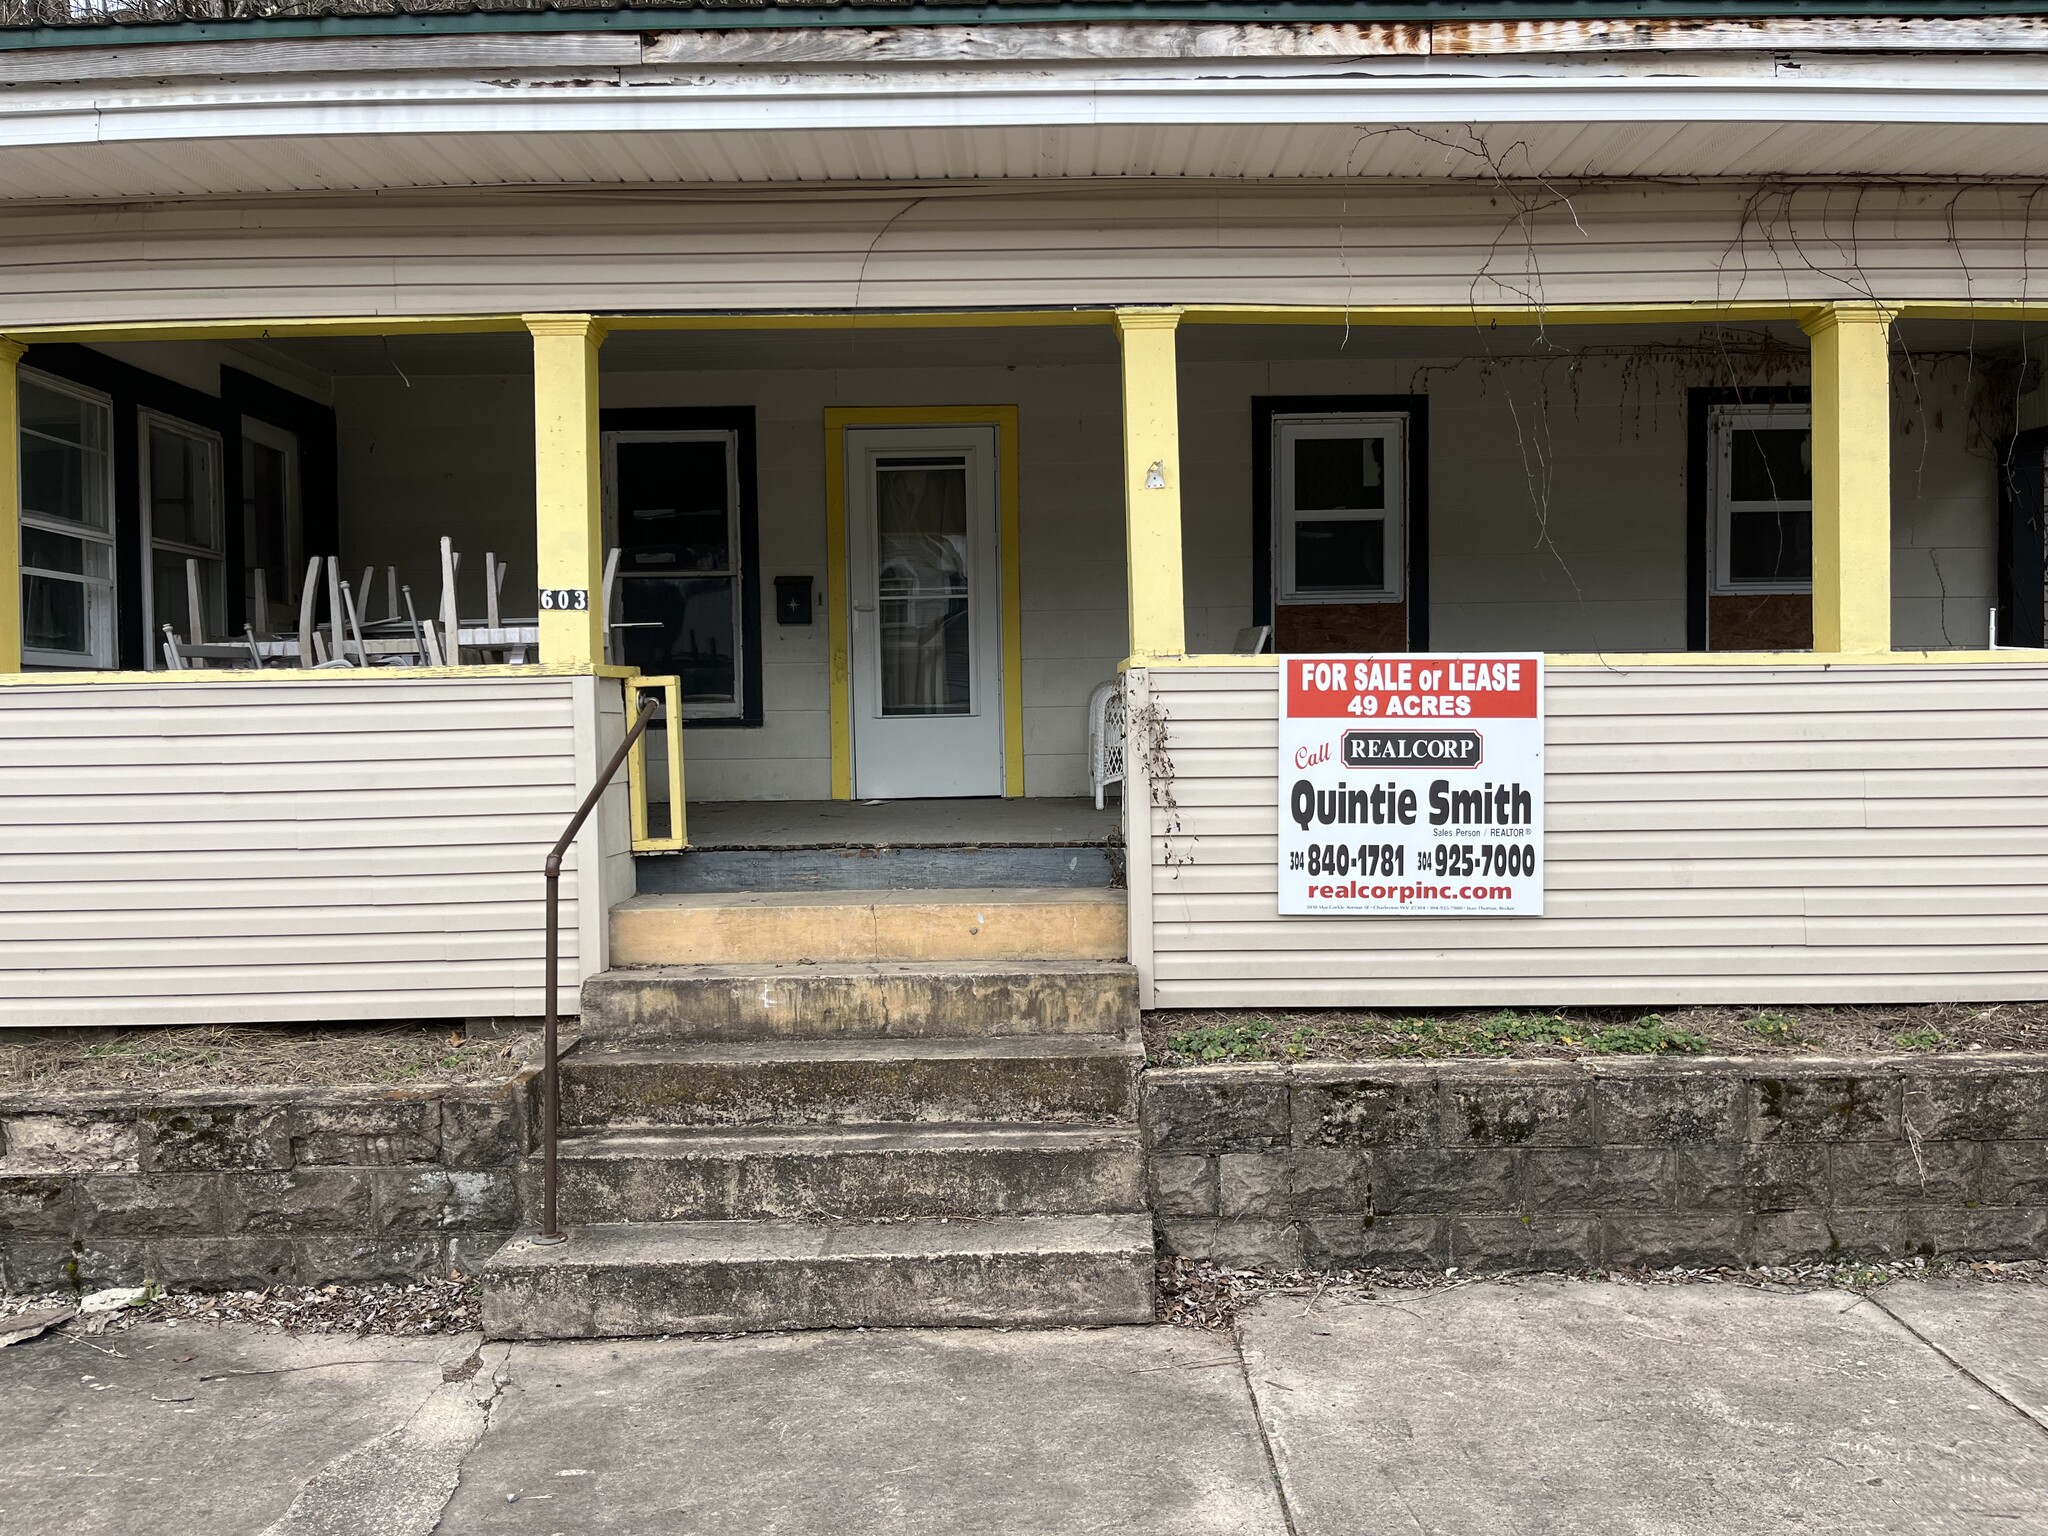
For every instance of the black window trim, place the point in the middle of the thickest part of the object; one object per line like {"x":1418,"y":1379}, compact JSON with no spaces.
{"x":2020,"y":542}
{"x":738,"y":420}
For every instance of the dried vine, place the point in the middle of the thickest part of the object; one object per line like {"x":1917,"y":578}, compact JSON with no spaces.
{"x":1147,"y":725}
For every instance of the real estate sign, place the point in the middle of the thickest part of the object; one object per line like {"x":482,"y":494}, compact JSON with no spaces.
{"x":1411,"y":785}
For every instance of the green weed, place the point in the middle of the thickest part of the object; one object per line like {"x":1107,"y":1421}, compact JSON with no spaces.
{"x":1241,"y":1041}
{"x":1778,"y":1028}
{"x":1926,"y":1038}
{"x":1495,"y":1035}
{"x":1648,"y":1036}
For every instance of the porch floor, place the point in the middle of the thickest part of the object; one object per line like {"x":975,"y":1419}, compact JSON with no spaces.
{"x":801,"y":824}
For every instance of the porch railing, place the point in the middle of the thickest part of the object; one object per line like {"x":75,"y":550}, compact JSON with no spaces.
{"x":550,"y":1115}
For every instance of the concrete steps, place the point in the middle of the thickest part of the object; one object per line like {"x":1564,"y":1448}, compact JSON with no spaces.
{"x":854,"y":1172}
{"x":796,"y":927}
{"x":829,"y":1109}
{"x":1042,"y":1079}
{"x":623,"y":1280}
{"x":859,"y":1000}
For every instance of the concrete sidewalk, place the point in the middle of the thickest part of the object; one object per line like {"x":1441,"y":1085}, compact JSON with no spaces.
{"x":1537,"y":1406}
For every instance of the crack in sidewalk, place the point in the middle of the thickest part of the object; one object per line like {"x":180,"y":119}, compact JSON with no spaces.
{"x":398,"y":1483}
{"x":1265,"y":1440}
{"x":1961,"y":1369}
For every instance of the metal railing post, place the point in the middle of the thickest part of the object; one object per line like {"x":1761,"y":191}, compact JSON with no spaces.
{"x":550,"y":1088}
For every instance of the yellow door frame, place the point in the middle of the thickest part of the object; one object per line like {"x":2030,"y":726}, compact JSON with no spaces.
{"x":1010,"y":582}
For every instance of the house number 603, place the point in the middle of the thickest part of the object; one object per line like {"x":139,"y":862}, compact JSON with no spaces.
{"x":564,"y":599}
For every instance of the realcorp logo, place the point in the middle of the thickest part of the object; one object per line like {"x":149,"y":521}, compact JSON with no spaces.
{"x":1412,"y":749}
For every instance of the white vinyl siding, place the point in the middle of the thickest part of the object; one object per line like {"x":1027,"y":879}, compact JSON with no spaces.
{"x":1716,"y":835}
{"x":255,"y":851}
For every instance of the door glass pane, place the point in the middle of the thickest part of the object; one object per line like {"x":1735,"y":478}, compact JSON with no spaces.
{"x":1340,"y":474}
{"x":1770,"y":464}
{"x":692,"y":635}
{"x":171,"y":604}
{"x":1348,"y":555}
{"x":63,"y":456}
{"x":1770,"y":546}
{"x":266,"y":518}
{"x":673,"y":506}
{"x":921,"y":565}
{"x":53,"y":615}
{"x":184,"y":495}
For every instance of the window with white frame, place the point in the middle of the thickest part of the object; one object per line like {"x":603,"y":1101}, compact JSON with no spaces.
{"x":1762,"y":523}
{"x":67,"y":525}
{"x":672,"y":508}
{"x":1340,"y":508}
{"x":271,"y":522}
{"x":182,"y":528}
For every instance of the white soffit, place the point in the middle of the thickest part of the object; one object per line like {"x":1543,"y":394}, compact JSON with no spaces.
{"x":1565,"y":117}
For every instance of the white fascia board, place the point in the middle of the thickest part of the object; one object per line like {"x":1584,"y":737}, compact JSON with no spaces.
{"x":1310,"y":93}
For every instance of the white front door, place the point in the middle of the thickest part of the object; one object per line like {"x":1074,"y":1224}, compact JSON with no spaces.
{"x":924,"y":575}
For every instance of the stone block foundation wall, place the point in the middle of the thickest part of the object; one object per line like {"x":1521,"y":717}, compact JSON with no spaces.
{"x":1564,"y":1165}
{"x":257,"y":1186}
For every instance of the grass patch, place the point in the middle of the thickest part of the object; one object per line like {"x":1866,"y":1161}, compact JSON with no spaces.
{"x":1514,"y":1033}
{"x":1559,"y":1033}
{"x":202,"y":1056}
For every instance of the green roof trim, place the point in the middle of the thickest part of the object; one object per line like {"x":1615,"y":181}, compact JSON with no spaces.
{"x":729,"y":14}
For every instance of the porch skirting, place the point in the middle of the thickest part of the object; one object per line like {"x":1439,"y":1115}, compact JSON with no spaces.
{"x":1739,"y":834}
{"x":265,"y":848}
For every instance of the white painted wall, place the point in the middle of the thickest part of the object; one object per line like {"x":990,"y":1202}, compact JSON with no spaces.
{"x":1557,"y":503}
{"x":1602,"y":567}
{"x":455,"y":455}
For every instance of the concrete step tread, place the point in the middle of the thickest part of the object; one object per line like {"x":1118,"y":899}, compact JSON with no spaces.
{"x":743,"y":1141}
{"x":667,"y":1244}
{"x":886,"y":1050}
{"x":1013,"y":896}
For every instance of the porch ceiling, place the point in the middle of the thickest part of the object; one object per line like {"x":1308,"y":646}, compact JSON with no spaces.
{"x":174,"y":161}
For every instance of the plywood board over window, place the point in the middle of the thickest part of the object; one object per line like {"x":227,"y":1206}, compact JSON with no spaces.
{"x":1340,"y":529}
{"x":1749,"y":536}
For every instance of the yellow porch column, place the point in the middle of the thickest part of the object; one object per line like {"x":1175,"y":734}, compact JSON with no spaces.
{"x":568,"y":510}
{"x":1152,"y":482}
{"x":10,"y":504}
{"x":1852,"y":478}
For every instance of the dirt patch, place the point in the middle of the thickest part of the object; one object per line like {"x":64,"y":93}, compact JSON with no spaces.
{"x":1196,"y":1295}
{"x":1193,"y":1037}
{"x":404,"y":1308}
{"x":210,"y":1056}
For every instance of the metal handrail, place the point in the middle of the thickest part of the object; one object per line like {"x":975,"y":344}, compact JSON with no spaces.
{"x":550,"y":1113}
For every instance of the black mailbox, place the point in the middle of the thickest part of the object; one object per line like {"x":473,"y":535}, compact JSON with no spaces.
{"x":793,"y":599}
